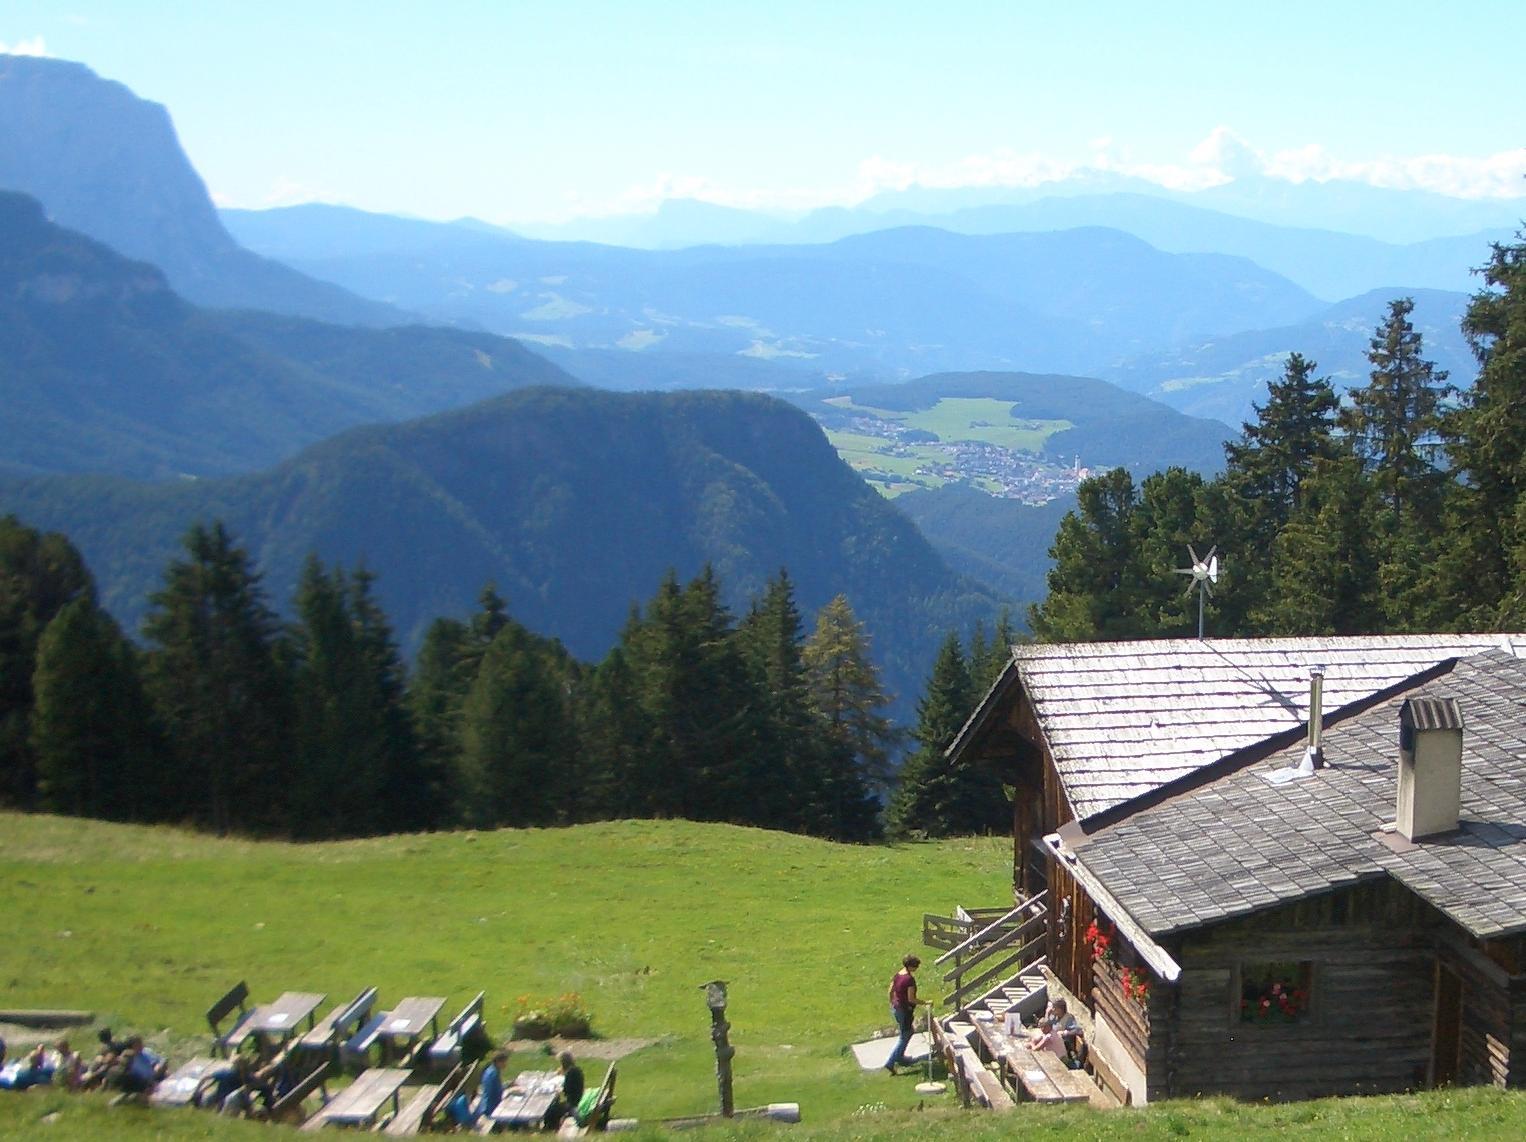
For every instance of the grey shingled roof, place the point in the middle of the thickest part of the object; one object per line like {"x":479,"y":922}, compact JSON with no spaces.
{"x":1124,"y":718}
{"x":1240,"y":844}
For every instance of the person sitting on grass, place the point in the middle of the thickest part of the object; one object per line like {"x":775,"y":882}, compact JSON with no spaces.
{"x":571,"y":1094}
{"x":68,"y":1067}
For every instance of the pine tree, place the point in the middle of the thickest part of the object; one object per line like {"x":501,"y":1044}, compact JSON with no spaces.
{"x":219,"y":687}
{"x":40,"y":574}
{"x":936,"y":796}
{"x":91,"y":726}
{"x":1484,"y":572}
{"x":410,"y":796}
{"x":1278,"y":450}
{"x":436,"y":692}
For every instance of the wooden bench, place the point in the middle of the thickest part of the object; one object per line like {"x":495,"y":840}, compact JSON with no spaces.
{"x":356,"y":1050}
{"x":339,"y":1024}
{"x":288,"y":1108}
{"x":445,"y":1052}
{"x":360,"y":1102}
{"x":410,"y":1120}
{"x":598,"y":1116}
{"x":234,"y":1038}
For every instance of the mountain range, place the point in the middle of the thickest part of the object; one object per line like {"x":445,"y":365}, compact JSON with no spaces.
{"x":108,"y":164}
{"x":575,"y":502}
{"x":104,"y":368}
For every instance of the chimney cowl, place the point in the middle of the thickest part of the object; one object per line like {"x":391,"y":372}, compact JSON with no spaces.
{"x":1429,"y":797}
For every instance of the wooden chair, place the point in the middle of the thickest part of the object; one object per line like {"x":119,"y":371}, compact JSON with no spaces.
{"x":598,"y":1117}
{"x":235,"y":1036}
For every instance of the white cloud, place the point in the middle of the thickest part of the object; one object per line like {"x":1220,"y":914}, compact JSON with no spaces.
{"x":1221,"y":157}
{"x":33,"y":47}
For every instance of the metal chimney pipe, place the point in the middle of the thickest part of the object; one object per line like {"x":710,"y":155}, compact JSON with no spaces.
{"x":1316,"y":715}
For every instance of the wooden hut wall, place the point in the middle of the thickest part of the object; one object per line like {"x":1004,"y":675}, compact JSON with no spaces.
{"x":1128,"y":1020}
{"x":1070,"y":913}
{"x":1493,"y":1022}
{"x":1371,"y":954}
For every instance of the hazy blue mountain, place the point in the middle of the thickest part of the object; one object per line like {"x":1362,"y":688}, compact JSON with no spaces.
{"x":1223,"y":377}
{"x":574,"y":501}
{"x":103,"y":368}
{"x":893,"y":303}
{"x":638,"y":372}
{"x":108,"y":164}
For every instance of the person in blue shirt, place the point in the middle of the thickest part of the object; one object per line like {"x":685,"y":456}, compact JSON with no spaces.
{"x":489,"y":1093}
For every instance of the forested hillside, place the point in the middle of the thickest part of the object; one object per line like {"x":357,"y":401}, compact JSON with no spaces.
{"x":575,"y":502}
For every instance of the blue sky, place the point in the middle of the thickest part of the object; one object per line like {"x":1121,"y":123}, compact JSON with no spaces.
{"x":516,"y":111}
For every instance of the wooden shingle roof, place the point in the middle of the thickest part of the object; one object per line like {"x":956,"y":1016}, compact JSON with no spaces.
{"x":1122,"y":719}
{"x":1240,"y":844}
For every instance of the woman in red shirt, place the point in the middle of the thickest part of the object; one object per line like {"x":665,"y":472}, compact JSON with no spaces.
{"x":903,"y":1004}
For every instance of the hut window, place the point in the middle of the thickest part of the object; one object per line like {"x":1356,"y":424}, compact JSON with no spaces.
{"x":1274,"y":993}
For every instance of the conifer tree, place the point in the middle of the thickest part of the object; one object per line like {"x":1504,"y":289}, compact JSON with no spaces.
{"x":1484,"y":573}
{"x":847,"y":695}
{"x":1091,"y":585}
{"x":1278,"y":450}
{"x":219,"y":688}
{"x":40,"y":574}
{"x":936,"y":796}
{"x":435,"y":693}
{"x":518,"y":746}
{"x":91,"y":726}
{"x":1393,"y":421}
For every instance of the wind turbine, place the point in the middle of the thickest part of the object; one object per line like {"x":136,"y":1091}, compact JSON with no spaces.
{"x":1204,"y":572}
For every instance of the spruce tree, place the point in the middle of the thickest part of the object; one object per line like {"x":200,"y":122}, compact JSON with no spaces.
{"x":1484,"y":572}
{"x":91,"y":726}
{"x":40,"y":574}
{"x":219,"y":686}
{"x":937,"y":796}
{"x":1091,"y":585}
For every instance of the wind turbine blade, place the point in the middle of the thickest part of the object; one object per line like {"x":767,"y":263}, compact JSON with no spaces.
{"x":1193,"y":553}
{"x":1190,"y":585}
{"x":1213,"y":568}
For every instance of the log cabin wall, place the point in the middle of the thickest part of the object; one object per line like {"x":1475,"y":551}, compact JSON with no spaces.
{"x":1122,"y":1024}
{"x":1070,"y":913}
{"x":1493,"y":1017}
{"x":1371,"y":953}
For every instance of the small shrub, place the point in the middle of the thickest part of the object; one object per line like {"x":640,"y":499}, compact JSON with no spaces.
{"x":565,"y":1016}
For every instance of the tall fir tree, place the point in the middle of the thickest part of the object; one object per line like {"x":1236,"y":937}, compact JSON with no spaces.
{"x":40,"y":574}
{"x":1483,"y":576}
{"x":937,"y":796}
{"x":92,"y":728}
{"x":219,"y":686}
{"x":1091,"y":585}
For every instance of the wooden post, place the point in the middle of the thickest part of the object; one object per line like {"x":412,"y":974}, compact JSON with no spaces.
{"x":715,"y":999}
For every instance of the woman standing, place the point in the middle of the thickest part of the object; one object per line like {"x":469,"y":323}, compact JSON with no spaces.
{"x":903,"y":1006}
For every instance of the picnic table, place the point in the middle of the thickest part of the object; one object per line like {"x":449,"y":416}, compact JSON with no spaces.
{"x":178,"y":1088}
{"x":527,"y":1099}
{"x":285,"y":1017}
{"x":407,"y":1023}
{"x":360,"y":1102}
{"x":1042,"y":1075}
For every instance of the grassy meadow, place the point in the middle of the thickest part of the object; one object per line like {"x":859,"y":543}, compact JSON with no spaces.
{"x":148,"y":926}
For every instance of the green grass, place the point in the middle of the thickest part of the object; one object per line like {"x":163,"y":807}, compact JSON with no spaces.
{"x":148,"y":926}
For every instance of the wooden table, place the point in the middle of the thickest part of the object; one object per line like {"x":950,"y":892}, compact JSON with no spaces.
{"x":176,"y":1089}
{"x":284,"y":1017}
{"x":527,"y":1099}
{"x":1042,"y":1075}
{"x":410,"y":1019}
{"x":359,"y":1103}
